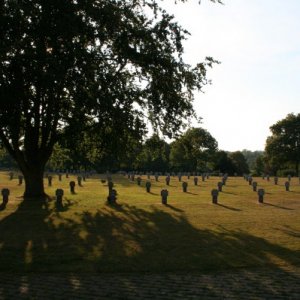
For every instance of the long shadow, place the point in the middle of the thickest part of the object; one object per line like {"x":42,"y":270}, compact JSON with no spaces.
{"x":174,"y":208}
{"x":191,"y":193}
{"x":224,"y":192}
{"x":125,"y":238}
{"x":229,"y":207}
{"x":277,"y":206}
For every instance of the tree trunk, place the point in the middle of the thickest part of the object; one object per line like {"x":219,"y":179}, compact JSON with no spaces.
{"x":34,"y":184}
{"x":297,"y":168}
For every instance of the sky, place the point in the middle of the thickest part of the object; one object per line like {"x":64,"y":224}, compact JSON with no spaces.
{"x":258,"y":80}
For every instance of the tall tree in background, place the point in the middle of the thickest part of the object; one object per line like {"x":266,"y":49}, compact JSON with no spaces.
{"x":239,"y":162}
{"x":154,"y":155}
{"x":283,"y":146}
{"x":70,"y":62}
{"x":193,"y":150}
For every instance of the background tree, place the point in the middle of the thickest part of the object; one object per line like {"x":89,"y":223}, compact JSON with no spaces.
{"x":223,"y":163}
{"x":193,"y":150}
{"x":154,"y":155}
{"x":64,"y":63}
{"x":283,"y":146}
{"x":239,"y":162}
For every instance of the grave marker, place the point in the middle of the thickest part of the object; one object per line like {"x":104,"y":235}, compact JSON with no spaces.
{"x":164,"y":196}
{"x":148,"y":186}
{"x":220,"y":185}
{"x":59,"y":194}
{"x":20,"y":177}
{"x":72,"y":187}
{"x":49,"y":180}
{"x":254,"y":186}
{"x":5,"y":194}
{"x":184,"y":186}
{"x":112,"y":197}
{"x":261,"y":193}
{"x":196,"y":180}
{"x":168,"y":180}
{"x":287,"y":186}
{"x":214,"y":194}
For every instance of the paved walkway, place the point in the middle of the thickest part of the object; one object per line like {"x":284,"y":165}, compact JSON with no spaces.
{"x":262,"y":284}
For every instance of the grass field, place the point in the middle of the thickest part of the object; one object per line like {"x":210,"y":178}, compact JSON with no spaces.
{"x":142,"y":235}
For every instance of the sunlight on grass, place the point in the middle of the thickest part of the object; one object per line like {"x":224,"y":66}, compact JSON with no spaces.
{"x":141,"y":234}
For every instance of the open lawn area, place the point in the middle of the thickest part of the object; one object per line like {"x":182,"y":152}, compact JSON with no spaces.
{"x":139,"y":234}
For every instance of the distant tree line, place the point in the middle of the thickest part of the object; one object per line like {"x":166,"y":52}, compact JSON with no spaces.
{"x":194,"y":150}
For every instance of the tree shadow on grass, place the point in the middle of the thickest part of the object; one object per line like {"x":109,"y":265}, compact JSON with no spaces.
{"x":125,"y":238}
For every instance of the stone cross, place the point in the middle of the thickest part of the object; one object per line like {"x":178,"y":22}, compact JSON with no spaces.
{"x":148,"y":186}
{"x":220,"y":185}
{"x":250,"y":179}
{"x":214,"y":194}
{"x":168,"y":180}
{"x":261,"y":193}
{"x":59,"y":194}
{"x":164,"y":196}
{"x":5,"y":194}
{"x":287,"y":186}
{"x":112,"y":196}
{"x":49,"y":180}
{"x":20,"y":177}
{"x":79,"y":180}
{"x":110,"y":185}
{"x":254,"y":186}
{"x":196,"y":180}
{"x":72,"y":187}
{"x":184,"y":186}
{"x":224,"y":180}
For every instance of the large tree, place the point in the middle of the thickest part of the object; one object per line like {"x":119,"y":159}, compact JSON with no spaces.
{"x":283,"y":146}
{"x":154,"y":155}
{"x":193,"y":150}
{"x":91,"y":62}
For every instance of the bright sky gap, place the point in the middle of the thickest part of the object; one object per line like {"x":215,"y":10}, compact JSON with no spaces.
{"x":257,"y":82}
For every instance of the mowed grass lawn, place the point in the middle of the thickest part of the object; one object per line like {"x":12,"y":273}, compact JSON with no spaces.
{"x":142,"y":235}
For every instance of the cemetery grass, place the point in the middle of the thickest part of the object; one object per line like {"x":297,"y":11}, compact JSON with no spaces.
{"x":139,"y":234}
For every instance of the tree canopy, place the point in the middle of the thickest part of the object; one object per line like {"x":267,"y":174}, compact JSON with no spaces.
{"x":283,"y":146}
{"x":193,"y":150}
{"x":88,"y":64}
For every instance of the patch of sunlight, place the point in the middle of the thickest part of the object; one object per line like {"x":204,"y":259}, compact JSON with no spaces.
{"x":75,"y":282}
{"x":278,"y":261}
{"x":132,"y":248}
{"x":83,"y":234}
{"x":28,"y":252}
